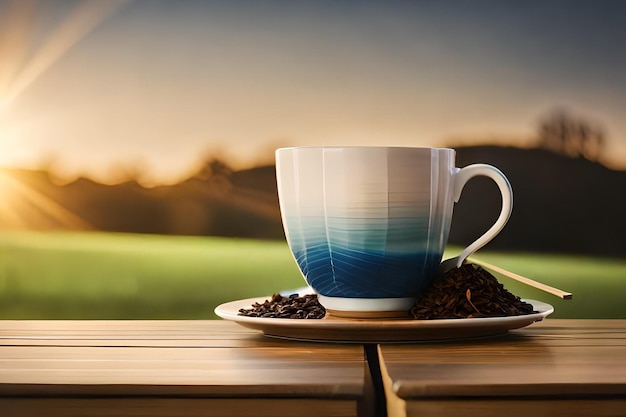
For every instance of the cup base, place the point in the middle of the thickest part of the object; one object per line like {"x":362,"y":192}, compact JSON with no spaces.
{"x":367,"y":308}
{"x":366,"y":315}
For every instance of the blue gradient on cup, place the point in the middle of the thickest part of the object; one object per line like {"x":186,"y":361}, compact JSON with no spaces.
{"x":354,"y":261}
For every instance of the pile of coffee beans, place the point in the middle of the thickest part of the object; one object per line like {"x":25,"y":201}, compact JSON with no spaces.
{"x":291,"y":307}
{"x":465,"y":292}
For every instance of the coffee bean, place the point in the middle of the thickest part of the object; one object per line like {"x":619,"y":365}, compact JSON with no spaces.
{"x":291,"y":307}
{"x":466,"y":292}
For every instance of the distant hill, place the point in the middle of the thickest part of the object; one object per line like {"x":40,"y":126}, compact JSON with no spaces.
{"x":561,"y":204}
{"x":223,"y":204}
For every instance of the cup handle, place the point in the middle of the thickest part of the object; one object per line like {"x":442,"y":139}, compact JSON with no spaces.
{"x":460,"y":178}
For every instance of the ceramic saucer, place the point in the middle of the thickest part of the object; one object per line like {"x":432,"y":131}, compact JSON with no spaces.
{"x":345,"y":330}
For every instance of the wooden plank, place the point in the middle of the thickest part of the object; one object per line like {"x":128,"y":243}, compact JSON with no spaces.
{"x":122,"y":358}
{"x":552,"y":362}
{"x":174,"y":407}
{"x":122,"y":333}
{"x":257,"y":371}
{"x":490,"y":407}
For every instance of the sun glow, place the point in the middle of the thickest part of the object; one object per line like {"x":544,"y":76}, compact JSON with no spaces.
{"x":22,"y":206}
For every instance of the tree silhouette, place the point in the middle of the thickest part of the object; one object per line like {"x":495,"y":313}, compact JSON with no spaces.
{"x":215,"y":174}
{"x":574,"y":136}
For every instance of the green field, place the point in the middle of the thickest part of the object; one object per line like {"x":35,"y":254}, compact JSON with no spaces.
{"x":119,"y":276}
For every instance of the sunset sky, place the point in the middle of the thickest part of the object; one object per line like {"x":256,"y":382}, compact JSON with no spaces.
{"x":94,"y":88}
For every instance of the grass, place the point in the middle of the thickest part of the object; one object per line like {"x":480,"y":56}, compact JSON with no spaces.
{"x":118,"y":276}
{"x":121,"y":276}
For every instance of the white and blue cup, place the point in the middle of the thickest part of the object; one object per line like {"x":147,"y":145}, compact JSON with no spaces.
{"x":368,"y":225}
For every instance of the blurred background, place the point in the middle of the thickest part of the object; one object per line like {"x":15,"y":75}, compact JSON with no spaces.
{"x":137,"y":139}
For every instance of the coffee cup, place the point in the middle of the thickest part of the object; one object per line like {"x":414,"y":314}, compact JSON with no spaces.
{"x":368,"y":226}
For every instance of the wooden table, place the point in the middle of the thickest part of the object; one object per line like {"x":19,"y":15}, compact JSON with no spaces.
{"x":217,"y":368}
{"x":174,"y":368}
{"x":552,"y":368}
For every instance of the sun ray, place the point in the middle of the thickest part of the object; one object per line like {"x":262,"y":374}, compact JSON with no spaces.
{"x":22,"y":207}
{"x":82,"y":20}
{"x":15,"y":27}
